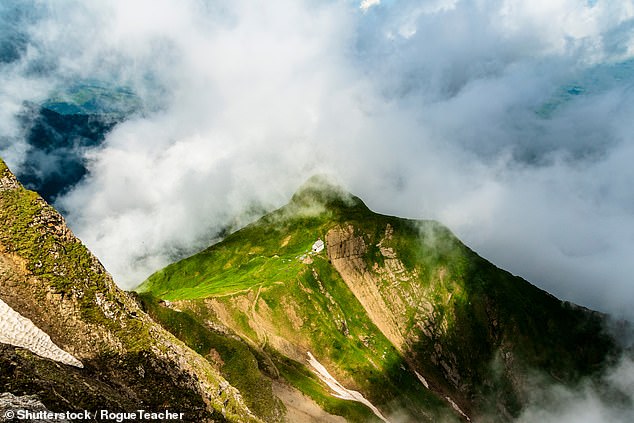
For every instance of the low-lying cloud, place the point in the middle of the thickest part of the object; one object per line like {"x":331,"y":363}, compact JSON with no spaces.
{"x":589,"y":402}
{"x":508,"y":121}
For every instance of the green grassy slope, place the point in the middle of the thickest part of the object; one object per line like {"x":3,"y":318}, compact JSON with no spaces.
{"x":237,"y":362}
{"x":48,"y":276}
{"x":474,"y":331}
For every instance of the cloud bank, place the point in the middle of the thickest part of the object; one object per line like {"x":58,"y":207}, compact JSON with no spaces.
{"x":611,"y":401}
{"x":508,"y":121}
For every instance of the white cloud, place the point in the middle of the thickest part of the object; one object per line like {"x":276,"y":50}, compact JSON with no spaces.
{"x":367,"y":4}
{"x":612,"y":401}
{"x":441,"y":109}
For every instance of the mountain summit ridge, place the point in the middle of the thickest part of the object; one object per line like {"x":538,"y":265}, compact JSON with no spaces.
{"x":326,"y":190}
{"x":388,"y":304}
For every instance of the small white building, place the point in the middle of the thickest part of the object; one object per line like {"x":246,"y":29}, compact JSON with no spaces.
{"x":318,"y":246}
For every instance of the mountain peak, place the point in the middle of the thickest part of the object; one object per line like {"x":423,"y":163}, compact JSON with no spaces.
{"x":400,"y":309}
{"x":324,"y":190}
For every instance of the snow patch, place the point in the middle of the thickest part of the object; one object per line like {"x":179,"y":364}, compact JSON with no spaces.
{"x":339,"y":389}
{"x":19,"y":331}
{"x":422,"y":379}
{"x":455,"y":407}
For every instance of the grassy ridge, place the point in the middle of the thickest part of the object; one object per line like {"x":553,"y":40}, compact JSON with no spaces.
{"x":472,"y":329}
{"x":265,"y":257}
{"x":256,"y":255}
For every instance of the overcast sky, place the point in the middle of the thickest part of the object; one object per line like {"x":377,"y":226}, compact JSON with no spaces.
{"x":508,"y":121}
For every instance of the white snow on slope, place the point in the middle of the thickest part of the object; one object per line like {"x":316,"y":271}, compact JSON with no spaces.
{"x":422,"y":379}
{"x":19,"y":331}
{"x":339,"y":389}
{"x":455,"y":407}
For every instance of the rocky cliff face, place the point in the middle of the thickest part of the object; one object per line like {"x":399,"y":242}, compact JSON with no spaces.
{"x":10,"y":402}
{"x":48,"y":278}
{"x":346,"y":251}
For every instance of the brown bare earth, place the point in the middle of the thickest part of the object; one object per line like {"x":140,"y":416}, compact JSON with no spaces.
{"x":345,"y":250}
{"x":300,"y":408}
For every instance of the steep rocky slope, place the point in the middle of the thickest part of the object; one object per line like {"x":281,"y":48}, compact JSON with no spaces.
{"x":400,"y":311}
{"x":56,"y":294}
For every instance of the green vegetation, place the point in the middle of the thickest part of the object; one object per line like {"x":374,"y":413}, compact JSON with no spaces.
{"x":270,"y":250}
{"x":235,"y":359}
{"x":266,"y":258}
{"x":92,"y":97}
{"x":472,"y":329}
{"x":34,"y":231}
{"x":309,"y":384}
{"x":259,"y":255}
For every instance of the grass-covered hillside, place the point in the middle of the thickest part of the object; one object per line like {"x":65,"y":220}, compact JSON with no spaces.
{"x":399,"y":310}
{"x":129,"y":362}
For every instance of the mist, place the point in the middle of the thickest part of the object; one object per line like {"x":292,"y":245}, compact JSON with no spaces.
{"x":509,"y":122}
{"x":610,"y":401}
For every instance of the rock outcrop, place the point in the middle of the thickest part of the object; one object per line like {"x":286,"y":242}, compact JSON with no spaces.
{"x":26,"y":403}
{"x":346,"y":252}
